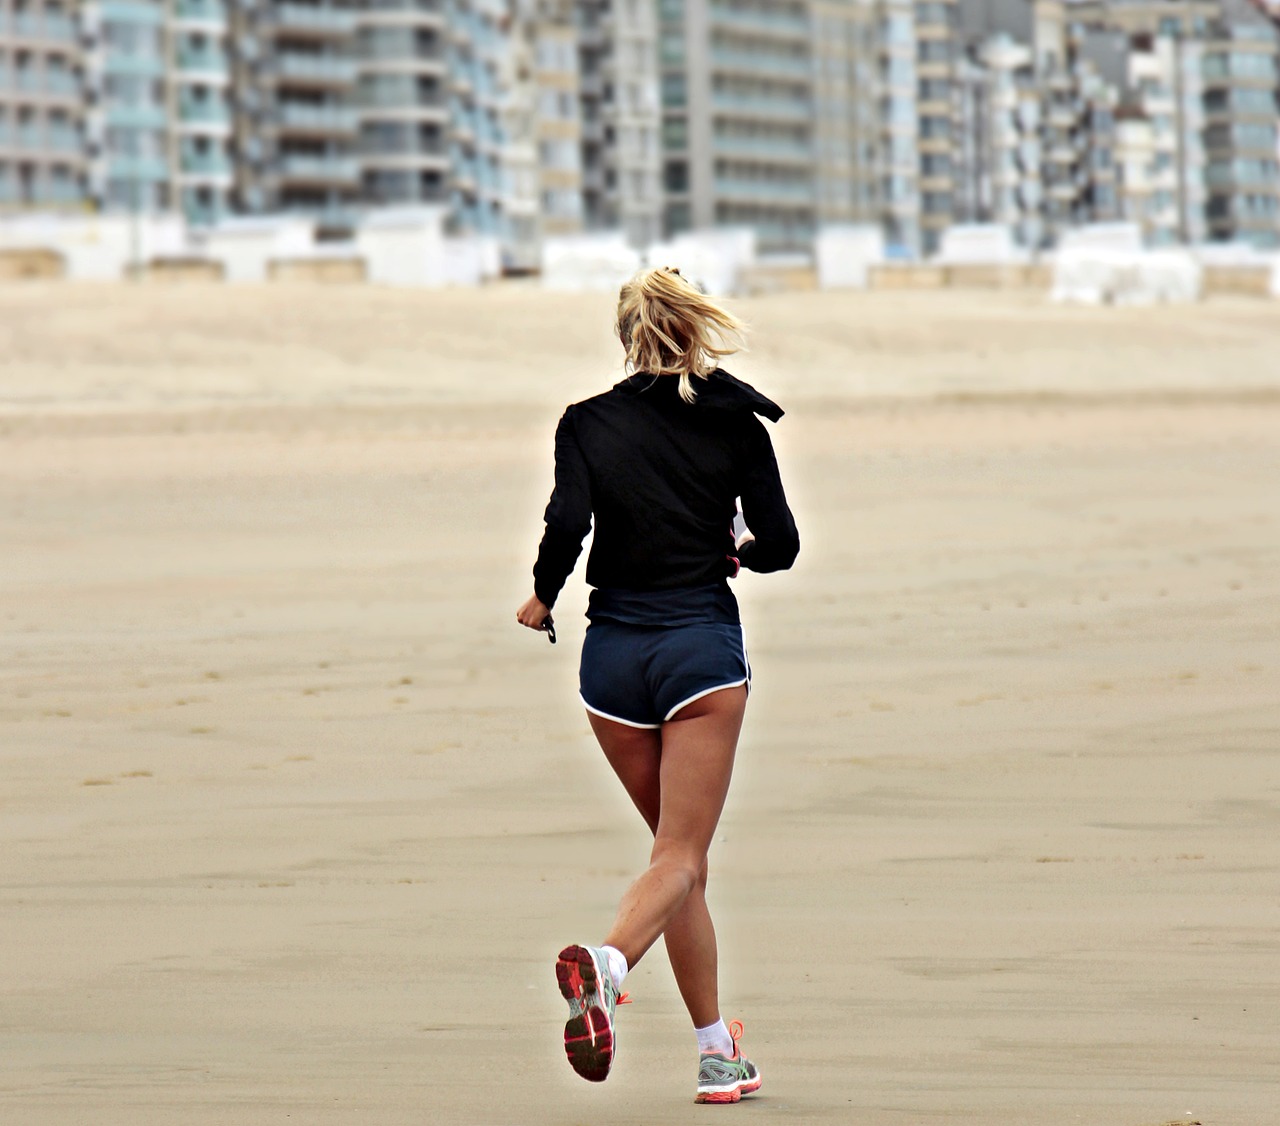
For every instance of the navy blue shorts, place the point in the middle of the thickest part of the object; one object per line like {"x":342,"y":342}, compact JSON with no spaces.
{"x":643,"y":675}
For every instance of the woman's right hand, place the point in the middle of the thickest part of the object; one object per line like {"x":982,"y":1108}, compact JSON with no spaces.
{"x":533,"y":614}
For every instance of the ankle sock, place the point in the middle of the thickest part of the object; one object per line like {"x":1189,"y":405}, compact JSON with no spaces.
{"x":715,"y":1038}
{"x":617,"y":964}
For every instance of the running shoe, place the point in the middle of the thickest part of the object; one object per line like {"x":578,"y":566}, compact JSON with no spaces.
{"x":722,"y":1079}
{"x":585,"y":981}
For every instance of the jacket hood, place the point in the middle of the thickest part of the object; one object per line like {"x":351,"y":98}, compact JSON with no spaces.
{"x":718,"y":391}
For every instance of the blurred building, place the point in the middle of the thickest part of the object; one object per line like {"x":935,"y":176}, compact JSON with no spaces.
{"x":739,"y":118}
{"x":1201,"y":78}
{"x":298,"y":89}
{"x":151,"y":99}
{"x":621,"y":117}
{"x":42,"y":145}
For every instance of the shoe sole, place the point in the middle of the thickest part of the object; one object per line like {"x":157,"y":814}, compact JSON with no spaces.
{"x":588,"y":1034}
{"x":748,"y":1088}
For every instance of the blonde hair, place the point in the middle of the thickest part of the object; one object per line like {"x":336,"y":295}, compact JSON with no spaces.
{"x":670,"y":327}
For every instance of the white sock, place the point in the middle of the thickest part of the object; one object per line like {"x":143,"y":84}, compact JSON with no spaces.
{"x":715,"y":1038}
{"x":617,"y":964}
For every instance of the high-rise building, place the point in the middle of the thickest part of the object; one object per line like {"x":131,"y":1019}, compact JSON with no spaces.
{"x":1240,"y":126}
{"x":296,"y":78}
{"x":1204,"y":74}
{"x":621,"y":117}
{"x":42,"y":149}
{"x":401,"y":106}
{"x":738,"y":117}
{"x":937,"y":60}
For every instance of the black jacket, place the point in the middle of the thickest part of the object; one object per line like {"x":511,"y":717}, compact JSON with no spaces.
{"x":660,"y":477}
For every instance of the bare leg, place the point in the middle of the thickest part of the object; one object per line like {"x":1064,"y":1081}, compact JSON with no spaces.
{"x":693,"y":768}
{"x":635,"y":755}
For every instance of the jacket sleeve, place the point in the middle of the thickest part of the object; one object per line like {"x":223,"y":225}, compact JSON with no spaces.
{"x":568,"y":515}
{"x":764,"y":506}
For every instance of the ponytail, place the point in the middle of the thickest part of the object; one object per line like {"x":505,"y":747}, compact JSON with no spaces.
{"x":669,"y":327}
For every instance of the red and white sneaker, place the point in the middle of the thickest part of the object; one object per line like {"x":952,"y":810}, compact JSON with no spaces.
{"x":585,"y":981}
{"x":722,"y":1079}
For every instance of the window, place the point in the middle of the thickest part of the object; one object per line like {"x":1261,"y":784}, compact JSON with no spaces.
{"x":674,"y":90}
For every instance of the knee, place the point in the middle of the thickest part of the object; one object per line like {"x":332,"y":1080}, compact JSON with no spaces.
{"x":679,"y":864}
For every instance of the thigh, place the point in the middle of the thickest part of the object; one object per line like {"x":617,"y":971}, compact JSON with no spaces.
{"x":635,"y":754}
{"x":696,"y":765}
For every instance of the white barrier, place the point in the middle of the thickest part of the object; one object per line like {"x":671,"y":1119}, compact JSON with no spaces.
{"x":845,"y":254}
{"x":97,"y":247}
{"x":980,"y":244}
{"x":1121,"y":237}
{"x":470,"y":260}
{"x":404,"y":247}
{"x":588,"y":263}
{"x":246,"y":247}
{"x":1097,"y":276}
{"x":714,"y":260}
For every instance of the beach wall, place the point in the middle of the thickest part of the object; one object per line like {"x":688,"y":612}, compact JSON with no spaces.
{"x":409,"y":248}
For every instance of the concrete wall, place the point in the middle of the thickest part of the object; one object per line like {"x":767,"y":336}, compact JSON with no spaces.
{"x":180,"y":270}
{"x":32,"y":264}
{"x":318,"y":270}
{"x":1237,"y":281}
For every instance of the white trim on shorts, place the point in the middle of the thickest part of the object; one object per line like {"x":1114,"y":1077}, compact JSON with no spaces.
{"x":619,"y":719}
{"x":704,"y":692}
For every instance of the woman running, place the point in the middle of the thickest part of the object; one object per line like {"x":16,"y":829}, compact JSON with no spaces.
{"x":659,"y":461}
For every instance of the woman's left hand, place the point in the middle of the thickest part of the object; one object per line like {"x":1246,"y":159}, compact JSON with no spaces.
{"x":533,"y":614}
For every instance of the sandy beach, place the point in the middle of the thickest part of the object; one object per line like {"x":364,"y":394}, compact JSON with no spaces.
{"x":294,"y":817}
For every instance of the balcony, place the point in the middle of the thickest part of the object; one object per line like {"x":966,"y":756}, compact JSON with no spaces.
{"x":764,"y":147}
{"x":137,"y":65}
{"x":313,"y":21}
{"x":744,"y":105}
{"x":754,"y":62}
{"x":194,"y":61}
{"x":316,"y":70}
{"x":137,"y":116}
{"x":403,"y":13}
{"x":322,"y":169}
{"x":50,"y":84}
{"x":136,"y":168}
{"x":800,"y":192}
{"x":204,"y":113}
{"x":294,"y":117}
{"x":210,"y":13}
{"x":212,"y":164}
{"x":52,"y":27}
{"x":404,"y":52}
{"x":411,"y":154}
{"x":792,"y":26}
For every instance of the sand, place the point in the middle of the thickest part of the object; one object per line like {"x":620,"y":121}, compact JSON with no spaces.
{"x":293,"y":816}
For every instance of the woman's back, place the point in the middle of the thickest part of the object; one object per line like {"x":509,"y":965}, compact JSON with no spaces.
{"x":662,"y":476}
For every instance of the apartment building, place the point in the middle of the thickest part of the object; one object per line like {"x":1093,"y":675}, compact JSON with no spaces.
{"x":847,"y":135}
{"x":1000,"y":167}
{"x":1205,"y":71}
{"x":296,"y":79}
{"x":42,"y":148}
{"x":157,"y":112}
{"x":477,"y":42}
{"x":621,"y":117}
{"x":738,"y":118}
{"x":1242,"y":176}
{"x":401,"y":113}
{"x":937,"y":60}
